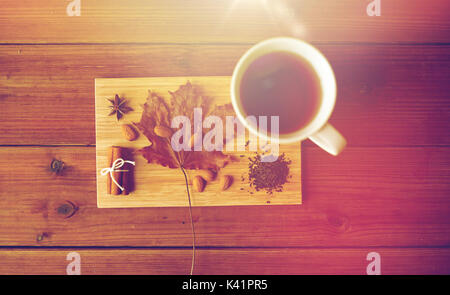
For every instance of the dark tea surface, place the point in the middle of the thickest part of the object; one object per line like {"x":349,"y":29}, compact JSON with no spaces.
{"x":281,"y":84}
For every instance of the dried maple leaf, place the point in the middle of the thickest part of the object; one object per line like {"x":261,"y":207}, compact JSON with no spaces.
{"x":156,"y":112}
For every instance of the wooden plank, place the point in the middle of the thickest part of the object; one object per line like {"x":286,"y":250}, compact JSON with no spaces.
{"x":401,"y":261}
{"x":364,"y":197}
{"x":101,"y":21}
{"x":387,"y":95}
{"x":155,"y":183}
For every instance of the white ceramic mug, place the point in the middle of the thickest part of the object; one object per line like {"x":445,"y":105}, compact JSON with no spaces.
{"x":318,"y":130}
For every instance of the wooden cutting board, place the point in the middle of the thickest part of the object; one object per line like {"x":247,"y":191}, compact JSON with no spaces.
{"x":158,"y":186}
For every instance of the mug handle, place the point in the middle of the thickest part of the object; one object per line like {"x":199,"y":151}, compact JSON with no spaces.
{"x":329,"y":139}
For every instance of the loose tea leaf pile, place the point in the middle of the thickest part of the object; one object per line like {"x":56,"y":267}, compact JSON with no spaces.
{"x":268,"y":176}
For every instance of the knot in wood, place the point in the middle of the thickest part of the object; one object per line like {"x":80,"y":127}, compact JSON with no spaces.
{"x":342,"y":223}
{"x":41,"y":236}
{"x":67,"y":209}
{"x":57,"y":166}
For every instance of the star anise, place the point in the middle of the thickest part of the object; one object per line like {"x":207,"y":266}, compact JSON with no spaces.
{"x":119,"y":107}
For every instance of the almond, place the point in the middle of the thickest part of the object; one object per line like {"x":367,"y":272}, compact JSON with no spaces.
{"x":191,"y":142}
{"x":163,"y":131}
{"x":198,"y":183}
{"x":193,"y":139}
{"x":226,"y":181}
{"x":208,"y":175}
{"x":129,"y":132}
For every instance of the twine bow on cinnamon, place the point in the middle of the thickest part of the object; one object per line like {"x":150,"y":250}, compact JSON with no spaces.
{"x":115,"y":168}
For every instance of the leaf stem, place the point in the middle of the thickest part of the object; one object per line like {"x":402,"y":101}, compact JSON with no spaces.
{"x":192,"y":221}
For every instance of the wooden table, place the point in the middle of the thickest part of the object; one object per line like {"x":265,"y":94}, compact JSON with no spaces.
{"x":388,"y":192}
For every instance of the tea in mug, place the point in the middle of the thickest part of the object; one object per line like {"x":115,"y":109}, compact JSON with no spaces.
{"x":281,"y":84}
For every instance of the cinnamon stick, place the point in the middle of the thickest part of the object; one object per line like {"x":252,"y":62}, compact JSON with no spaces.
{"x":108,"y":177}
{"x":128,"y":177}
{"x":115,"y":153}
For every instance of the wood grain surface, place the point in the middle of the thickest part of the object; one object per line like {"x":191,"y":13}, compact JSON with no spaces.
{"x":225,"y":261}
{"x":364,"y":197}
{"x":158,"y":186}
{"x":206,"y":21}
{"x":388,"y":95}
{"x":387,"y":192}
